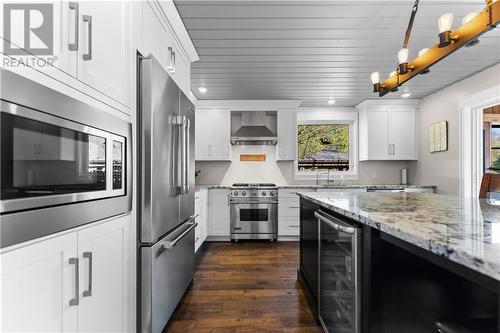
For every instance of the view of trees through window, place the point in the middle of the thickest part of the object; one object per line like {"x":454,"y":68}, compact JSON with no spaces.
{"x":323,"y":147}
{"x":495,"y":147}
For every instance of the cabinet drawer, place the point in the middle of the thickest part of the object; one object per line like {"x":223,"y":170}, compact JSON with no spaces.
{"x":288,"y":212}
{"x":289,"y":226}
{"x":289,"y":202}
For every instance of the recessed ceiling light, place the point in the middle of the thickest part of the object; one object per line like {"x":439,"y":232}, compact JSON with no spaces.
{"x":202,"y":90}
{"x":331,"y":101}
{"x":406,"y":95}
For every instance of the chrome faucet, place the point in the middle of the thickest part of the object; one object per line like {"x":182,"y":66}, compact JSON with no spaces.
{"x":319,"y":173}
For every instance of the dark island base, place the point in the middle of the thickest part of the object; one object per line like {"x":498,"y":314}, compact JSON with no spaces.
{"x":405,"y":288}
{"x":407,"y":292}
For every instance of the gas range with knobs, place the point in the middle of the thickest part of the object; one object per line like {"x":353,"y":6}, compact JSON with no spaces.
{"x":254,"y":211}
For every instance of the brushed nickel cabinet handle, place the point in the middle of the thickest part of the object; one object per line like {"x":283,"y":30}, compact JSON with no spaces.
{"x":75,"y":300}
{"x":88,"y":55}
{"x":76,"y":7}
{"x":88,"y":292}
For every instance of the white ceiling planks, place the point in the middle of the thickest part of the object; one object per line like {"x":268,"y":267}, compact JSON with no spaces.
{"x":318,"y":50}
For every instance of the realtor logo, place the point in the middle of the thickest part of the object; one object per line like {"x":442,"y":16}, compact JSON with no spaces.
{"x":28,"y":27}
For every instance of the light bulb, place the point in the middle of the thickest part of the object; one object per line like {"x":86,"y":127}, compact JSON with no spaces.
{"x":422,"y":52}
{"x":403,"y":56}
{"x":467,"y":18}
{"x":331,"y":101}
{"x":375,"y":77}
{"x":203,"y":90}
{"x":391,"y":74}
{"x":444,"y":22}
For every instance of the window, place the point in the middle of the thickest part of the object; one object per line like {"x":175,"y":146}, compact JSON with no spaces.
{"x":326,"y":144}
{"x":323,"y":147}
{"x":495,"y":147}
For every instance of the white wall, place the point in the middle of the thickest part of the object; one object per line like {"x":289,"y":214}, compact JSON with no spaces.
{"x":442,"y":168}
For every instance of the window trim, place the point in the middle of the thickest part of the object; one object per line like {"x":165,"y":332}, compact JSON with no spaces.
{"x":352,"y":120}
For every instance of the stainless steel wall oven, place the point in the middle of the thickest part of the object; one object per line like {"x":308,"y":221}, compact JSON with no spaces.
{"x":63,"y":163}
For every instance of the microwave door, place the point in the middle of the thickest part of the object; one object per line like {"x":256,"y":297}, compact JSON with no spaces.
{"x":159,"y":135}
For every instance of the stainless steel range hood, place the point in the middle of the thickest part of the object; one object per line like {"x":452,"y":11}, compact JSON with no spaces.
{"x":253,"y":130}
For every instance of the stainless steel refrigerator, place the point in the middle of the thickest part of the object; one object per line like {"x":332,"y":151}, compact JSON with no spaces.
{"x":165,"y":196}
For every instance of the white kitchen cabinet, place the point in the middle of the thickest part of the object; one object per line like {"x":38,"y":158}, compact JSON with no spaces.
{"x":102,"y":250}
{"x":387,"y":130}
{"x":403,"y":133}
{"x":212,"y":135}
{"x":158,"y":39}
{"x":219,"y":214}
{"x":286,"y":124}
{"x":45,"y":285}
{"x":38,"y":282}
{"x":201,"y":210}
{"x":289,"y":211}
{"x":104,"y":47}
{"x":154,"y":38}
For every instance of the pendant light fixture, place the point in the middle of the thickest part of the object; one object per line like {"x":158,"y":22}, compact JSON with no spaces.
{"x":444,"y":23}
{"x":473,"y":26}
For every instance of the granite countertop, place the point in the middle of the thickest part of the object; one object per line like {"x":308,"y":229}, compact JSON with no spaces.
{"x":466,"y":231}
{"x":324,"y":186}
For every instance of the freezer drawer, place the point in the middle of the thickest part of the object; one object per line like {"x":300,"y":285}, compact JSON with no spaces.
{"x":167,"y":269}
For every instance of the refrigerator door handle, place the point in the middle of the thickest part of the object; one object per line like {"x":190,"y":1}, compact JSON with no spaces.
{"x":178,"y":155}
{"x":171,"y":244}
{"x":187,"y":152}
{"x":184,"y":166}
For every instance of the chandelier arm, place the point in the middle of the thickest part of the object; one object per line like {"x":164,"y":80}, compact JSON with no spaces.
{"x":410,"y":24}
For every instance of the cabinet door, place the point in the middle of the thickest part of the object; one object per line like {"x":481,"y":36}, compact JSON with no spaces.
{"x":218,"y":203}
{"x":285,"y":149}
{"x":203,"y":134}
{"x":154,"y":37}
{"x":65,"y":39}
{"x":378,"y":134}
{"x":221,"y":135}
{"x":102,"y":59}
{"x":402,"y":133}
{"x":102,"y":251}
{"x":38,"y":282}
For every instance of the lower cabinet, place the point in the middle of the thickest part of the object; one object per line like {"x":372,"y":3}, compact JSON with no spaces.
{"x":201,"y":210}
{"x":81,"y":275}
{"x":219,"y":216}
{"x":289,"y":212}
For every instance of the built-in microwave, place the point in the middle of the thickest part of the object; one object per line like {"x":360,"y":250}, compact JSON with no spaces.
{"x":63,"y":163}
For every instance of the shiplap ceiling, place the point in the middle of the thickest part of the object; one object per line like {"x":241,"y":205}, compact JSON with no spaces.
{"x":319,"y":50}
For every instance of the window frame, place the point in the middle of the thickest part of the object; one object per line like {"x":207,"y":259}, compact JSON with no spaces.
{"x":330,"y":118}
{"x":492,"y":126}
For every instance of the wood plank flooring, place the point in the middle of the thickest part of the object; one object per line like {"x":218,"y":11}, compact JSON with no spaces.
{"x":245,"y":287}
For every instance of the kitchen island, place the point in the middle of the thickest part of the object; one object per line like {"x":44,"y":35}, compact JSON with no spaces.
{"x":423,"y":258}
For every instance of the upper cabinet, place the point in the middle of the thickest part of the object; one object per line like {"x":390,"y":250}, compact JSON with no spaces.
{"x":104,"y":46}
{"x":387,"y":130}
{"x":91,"y":51}
{"x":164,"y":38}
{"x":286,"y":124}
{"x":212,"y":135}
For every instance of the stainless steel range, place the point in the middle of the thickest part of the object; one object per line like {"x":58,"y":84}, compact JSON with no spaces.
{"x":254,"y":211}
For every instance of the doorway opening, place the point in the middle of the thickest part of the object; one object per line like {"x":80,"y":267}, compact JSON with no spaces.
{"x":479,"y":139}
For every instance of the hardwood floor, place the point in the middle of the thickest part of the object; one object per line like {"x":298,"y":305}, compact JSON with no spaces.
{"x":245,"y":287}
